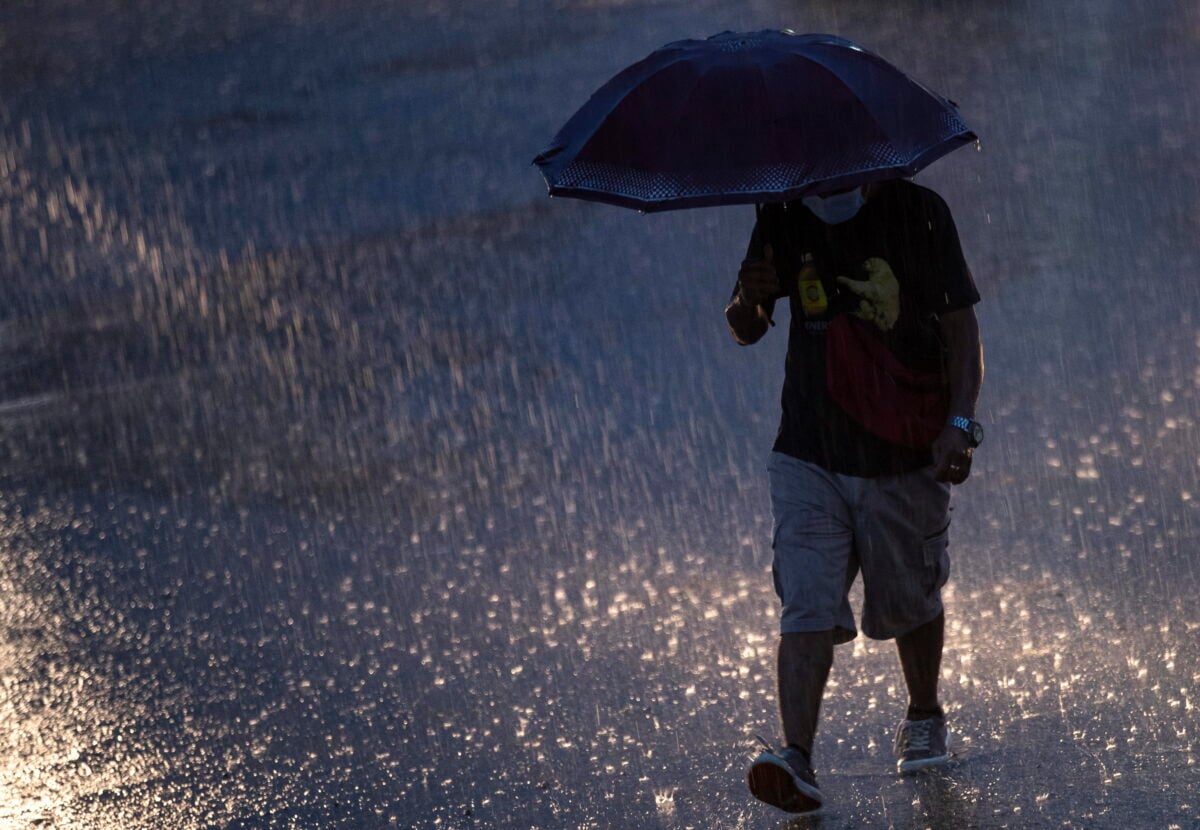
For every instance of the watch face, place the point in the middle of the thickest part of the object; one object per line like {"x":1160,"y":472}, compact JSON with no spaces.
{"x":976,"y":433}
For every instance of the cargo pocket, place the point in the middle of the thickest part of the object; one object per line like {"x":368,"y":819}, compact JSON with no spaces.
{"x":935,"y":549}
{"x":935,"y":544}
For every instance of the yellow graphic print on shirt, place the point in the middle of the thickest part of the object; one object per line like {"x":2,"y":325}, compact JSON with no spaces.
{"x":879,"y":294}
{"x":812,"y":293}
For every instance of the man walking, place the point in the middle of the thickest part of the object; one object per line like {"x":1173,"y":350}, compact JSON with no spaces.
{"x":883,"y":370}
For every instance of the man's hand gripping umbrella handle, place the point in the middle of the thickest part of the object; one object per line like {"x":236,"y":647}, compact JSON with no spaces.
{"x":769,"y":259}
{"x":757,"y":280}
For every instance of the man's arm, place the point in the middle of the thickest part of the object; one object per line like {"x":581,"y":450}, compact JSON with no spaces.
{"x":749,"y":311}
{"x":960,"y":332}
{"x":951,"y":451}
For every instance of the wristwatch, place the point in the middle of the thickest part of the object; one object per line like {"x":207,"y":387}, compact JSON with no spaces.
{"x":973,"y":429}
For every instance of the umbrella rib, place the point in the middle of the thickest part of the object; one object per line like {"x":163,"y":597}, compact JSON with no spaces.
{"x":869,"y":112}
{"x":838,"y":79}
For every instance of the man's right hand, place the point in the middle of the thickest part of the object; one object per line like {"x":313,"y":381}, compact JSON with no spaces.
{"x":757,"y":281}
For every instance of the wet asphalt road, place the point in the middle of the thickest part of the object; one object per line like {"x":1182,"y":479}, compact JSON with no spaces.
{"x":347,"y":481}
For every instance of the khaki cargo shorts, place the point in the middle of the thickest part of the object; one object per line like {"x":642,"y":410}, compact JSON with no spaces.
{"x":828,"y":527}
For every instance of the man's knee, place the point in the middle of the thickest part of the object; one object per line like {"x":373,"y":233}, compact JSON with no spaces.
{"x":807,"y":643}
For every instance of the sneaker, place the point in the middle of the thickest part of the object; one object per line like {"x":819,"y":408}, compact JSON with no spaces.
{"x":921,"y":743}
{"x":784,"y":779}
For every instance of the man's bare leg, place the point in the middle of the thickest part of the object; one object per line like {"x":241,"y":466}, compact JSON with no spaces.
{"x":921,"y":658}
{"x":784,"y":778}
{"x":804,"y":662}
{"x":922,"y":739}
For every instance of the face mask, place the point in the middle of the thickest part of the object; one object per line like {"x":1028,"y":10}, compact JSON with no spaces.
{"x":837,"y":208}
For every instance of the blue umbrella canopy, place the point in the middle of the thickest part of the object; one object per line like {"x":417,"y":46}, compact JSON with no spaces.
{"x":749,"y":117}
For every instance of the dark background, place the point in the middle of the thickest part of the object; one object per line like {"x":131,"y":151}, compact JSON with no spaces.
{"x":348,"y":481}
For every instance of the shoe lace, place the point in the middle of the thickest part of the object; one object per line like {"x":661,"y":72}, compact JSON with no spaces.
{"x":794,"y":758}
{"x":914,"y":735}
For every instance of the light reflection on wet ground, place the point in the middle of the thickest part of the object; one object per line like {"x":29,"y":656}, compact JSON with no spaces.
{"x":349,"y":482}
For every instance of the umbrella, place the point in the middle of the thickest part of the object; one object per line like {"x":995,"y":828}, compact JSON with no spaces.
{"x":751,"y":117}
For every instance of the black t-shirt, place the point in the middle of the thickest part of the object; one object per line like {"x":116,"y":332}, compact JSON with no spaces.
{"x":901,"y":250}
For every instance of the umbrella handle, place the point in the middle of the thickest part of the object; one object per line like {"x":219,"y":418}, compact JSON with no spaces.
{"x":757,"y":220}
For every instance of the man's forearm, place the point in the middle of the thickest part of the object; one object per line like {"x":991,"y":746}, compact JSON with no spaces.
{"x":965,"y":362}
{"x":747,"y":324}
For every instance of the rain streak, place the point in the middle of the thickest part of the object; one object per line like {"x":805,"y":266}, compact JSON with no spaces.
{"x":347,"y":480}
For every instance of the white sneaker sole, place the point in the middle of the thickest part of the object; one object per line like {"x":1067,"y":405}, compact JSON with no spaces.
{"x":772,"y":781}
{"x":913,"y":766}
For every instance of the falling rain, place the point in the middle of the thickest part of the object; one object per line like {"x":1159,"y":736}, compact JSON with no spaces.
{"x":348,"y":481}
